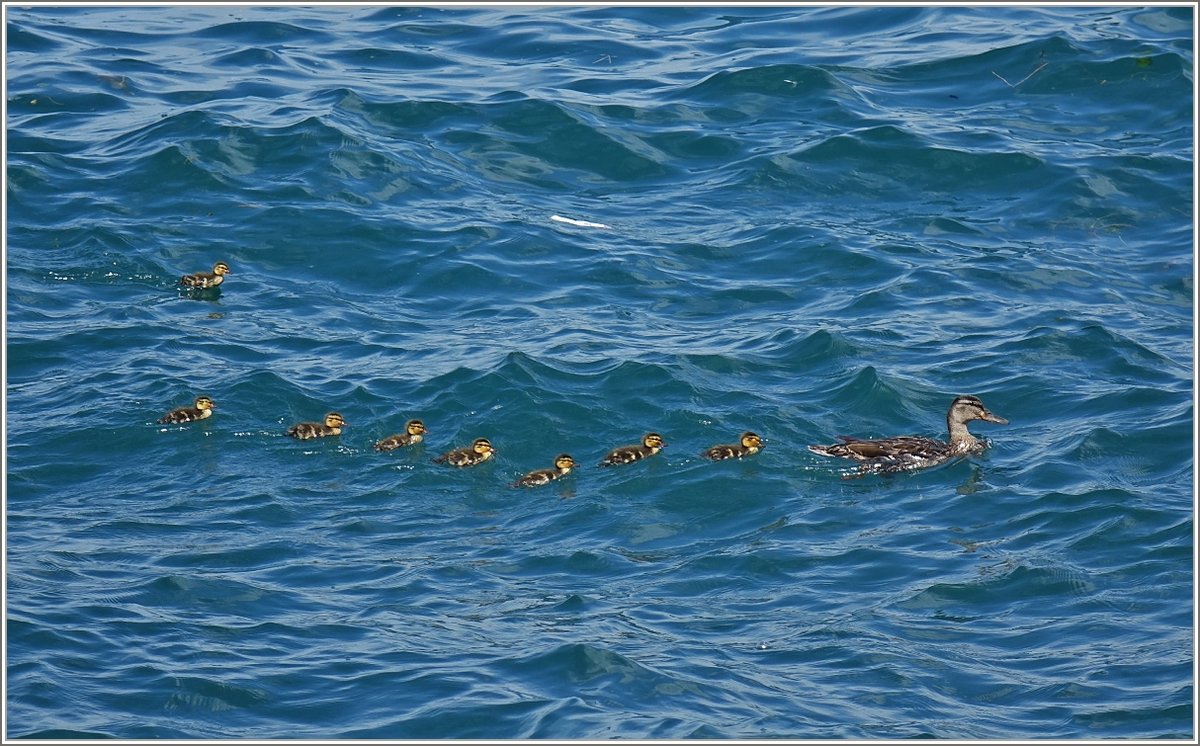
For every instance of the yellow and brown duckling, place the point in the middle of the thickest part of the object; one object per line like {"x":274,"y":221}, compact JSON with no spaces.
{"x":333,"y":425}
{"x":651,"y":444}
{"x":563,"y":464}
{"x":200,"y":410}
{"x":908,"y":452}
{"x":747,"y":445}
{"x":413,"y":433}
{"x":478,"y":452}
{"x":205,"y":280}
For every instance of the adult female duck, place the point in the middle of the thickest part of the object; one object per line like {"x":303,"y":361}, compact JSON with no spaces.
{"x":908,"y":452}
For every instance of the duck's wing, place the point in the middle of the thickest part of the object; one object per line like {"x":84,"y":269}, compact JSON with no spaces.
{"x":903,"y":453}
{"x":861,"y":448}
{"x":851,"y":447}
{"x":903,"y":448}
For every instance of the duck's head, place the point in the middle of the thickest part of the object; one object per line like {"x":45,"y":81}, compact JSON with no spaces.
{"x":751,"y":440}
{"x":203,"y":403}
{"x":415,"y":427}
{"x":333,"y":419}
{"x":221,"y":269}
{"x":966,"y":408}
{"x":653,"y":440}
{"x":563,"y":462}
{"x":482,"y":446}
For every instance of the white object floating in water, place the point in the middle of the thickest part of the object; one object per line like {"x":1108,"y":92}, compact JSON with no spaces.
{"x":580,"y":223}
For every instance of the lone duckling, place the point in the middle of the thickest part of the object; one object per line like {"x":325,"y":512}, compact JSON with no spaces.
{"x":200,"y":410}
{"x":479,"y":451}
{"x":747,"y":445}
{"x":413,"y":433}
{"x":563,"y":464}
{"x":652,"y":443}
{"x":908,"y":452}
{"x":333,"y":425}
{"x":205,"y":280}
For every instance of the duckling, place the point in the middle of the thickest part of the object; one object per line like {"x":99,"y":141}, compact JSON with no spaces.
{"x":413,"y":434}
{"x":907,"y":452}
{"x":563,"y":464}
{"x":202,"y":409}
{"x":652,"y":443}
{"x":748,"y":444}
{"x":333,"y":425}
{"x":481,"y":450}
{"x":203,"y":280}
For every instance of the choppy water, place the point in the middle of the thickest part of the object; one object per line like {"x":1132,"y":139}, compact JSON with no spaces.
{"x":820,"y":221}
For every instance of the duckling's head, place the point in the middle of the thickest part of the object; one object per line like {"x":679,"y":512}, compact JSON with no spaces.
{"x":653,"y":440}
{"x":751,"y":440}
{"x":415,"y":427}
{"x":204,"y":403}
{"x":221,"y":269}
{"x":564,"y":462}
{"x":966,"y":408}
{"x":482,"y":446}
{"x":333,"y":419}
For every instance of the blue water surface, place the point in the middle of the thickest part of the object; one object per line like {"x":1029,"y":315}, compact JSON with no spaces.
{"x":561,"y":228}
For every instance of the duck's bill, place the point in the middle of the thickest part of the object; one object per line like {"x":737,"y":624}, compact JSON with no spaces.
{"x":995,"y":418}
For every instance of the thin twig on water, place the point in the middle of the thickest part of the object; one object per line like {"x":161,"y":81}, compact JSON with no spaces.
{"x":1022,"y":80}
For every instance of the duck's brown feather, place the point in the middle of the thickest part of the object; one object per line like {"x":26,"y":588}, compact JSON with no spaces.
{"x":184,"y":414}
{"x":309,"y":430}
{"x":462,"y":457}
{"x":392,"y":442}
{"x":202,"y":280}
{"x":722,"y":452}
{"x":627,"y":455}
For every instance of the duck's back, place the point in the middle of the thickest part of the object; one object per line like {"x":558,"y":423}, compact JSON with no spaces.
{"x":889,"y":454}
{"x":308,"y":430}
{"x":626,"y":455}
